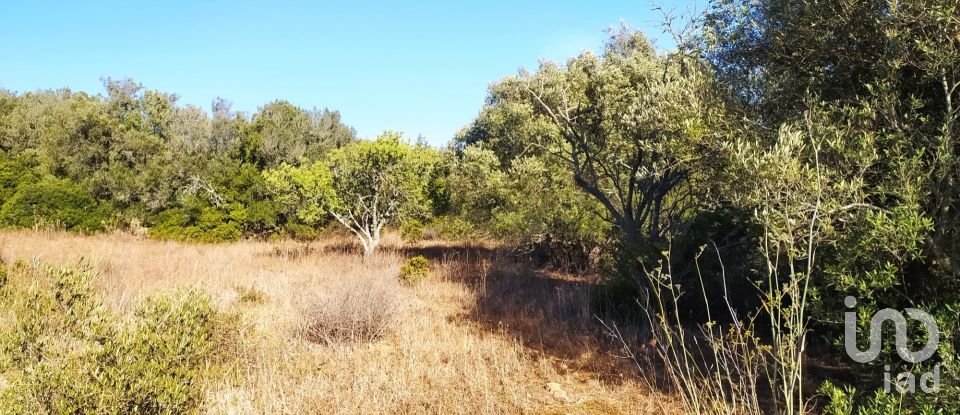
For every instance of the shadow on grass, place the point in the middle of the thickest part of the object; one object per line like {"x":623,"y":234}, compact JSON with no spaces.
{"x":434,"y":252}
{"x":305,"y":250}
{"x":550,"y":313}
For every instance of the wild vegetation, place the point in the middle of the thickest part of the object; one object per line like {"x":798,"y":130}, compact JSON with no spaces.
{"x":702,"y":213}
{"x":305,"y":327}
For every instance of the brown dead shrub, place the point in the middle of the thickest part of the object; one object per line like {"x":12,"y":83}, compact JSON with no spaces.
{"x":353,"y":311}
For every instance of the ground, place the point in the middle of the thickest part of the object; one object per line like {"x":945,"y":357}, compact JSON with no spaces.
{"x":484,"y":333}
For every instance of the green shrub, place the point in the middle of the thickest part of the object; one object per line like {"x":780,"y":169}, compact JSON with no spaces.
{"x":412,"y":231}
{"x":450,"y":227}
{"x":250,"y":295}
{"x":157,"y":361}
{"x":13,"y":173}
{"x":838,"y":400}
{"x":47,"y":346}
{"x":40,"y":305}
{"x":300,"y":232}
{"x":57,"y":202}
{"x":846,"y":401}
{"x":260,"y":217}
{"x":62,"y":352}
{"x":414,"y":270}
{"x":202,"y":224}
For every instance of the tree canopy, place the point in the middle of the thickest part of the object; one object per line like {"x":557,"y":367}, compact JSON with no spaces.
{"x":364,"y":186}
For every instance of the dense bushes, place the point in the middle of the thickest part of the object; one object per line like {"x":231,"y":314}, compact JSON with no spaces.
{"x":198,"y":222}
{"x":806,"y":144}
{"x":56,"y":203}
{"x":13,"y":173}
{"x":157,"y":359}
{"x":530,"y":203}
{"x":64,"y":352}
{"x":138,"y":154}
{"x":814,"y":171}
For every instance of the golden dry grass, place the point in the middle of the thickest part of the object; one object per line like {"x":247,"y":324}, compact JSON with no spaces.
{"x":481,"y":335}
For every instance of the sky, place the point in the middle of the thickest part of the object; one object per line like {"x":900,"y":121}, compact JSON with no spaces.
{"x":421,"y":68}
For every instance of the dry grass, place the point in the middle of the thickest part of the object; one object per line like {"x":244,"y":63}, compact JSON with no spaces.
{"x":481,"y":335}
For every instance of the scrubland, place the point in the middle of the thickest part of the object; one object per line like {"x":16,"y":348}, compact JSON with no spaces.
{"x":317,"y":329}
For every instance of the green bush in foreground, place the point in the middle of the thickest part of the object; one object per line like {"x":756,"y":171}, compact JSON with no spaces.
{"x":414,"y":270}
{"x":64,"y":353}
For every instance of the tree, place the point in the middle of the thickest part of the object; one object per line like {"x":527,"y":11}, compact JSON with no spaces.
{"x":147,"y":154}
{"x":328,"y":132}
{"x":477,"y":185}
{"x":364,"y":186}
{"x":283,"y":133}
{"x":882,"y":109}
{"x":226,"y":126}
{"x":630,"y":126}
{"x":849,"y":121}
{"x":531,"y":204}
{"x":278,"y":134}
{"x":304,"y":192}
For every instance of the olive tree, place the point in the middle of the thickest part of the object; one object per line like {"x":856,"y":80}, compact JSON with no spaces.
{"x":283,"y":133}
{"x":364,"y":185}
{"x":631,"y":126}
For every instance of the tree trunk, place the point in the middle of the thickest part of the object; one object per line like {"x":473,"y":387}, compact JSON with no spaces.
{"x":369,"y":245}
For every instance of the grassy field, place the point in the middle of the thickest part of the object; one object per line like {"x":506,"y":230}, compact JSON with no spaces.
{"x":482,"y":334}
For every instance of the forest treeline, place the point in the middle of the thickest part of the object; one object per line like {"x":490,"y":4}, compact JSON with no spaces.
{"x":781,"y":144}
{"x":135,"y":157}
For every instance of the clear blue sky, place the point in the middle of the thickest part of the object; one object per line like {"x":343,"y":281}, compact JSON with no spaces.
{"x":420,"y":68}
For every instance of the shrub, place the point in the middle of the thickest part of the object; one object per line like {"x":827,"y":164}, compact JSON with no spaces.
{"x":54,"y":201}
{"x":59,"y":305}
{"x":356,"y":310}
{"x":839,"y":400}
{"x":52,"y":320}
{"x":412,"y":231}
{"x":202,"y":224}
{"x":844,"y":400}
{"x":450,"y":227}
{"x":62,"y":352}
{"x":300,"y":232}
{"x":251,"y":295}
{"x":13,"y":173}
{"x":156,"y":362}
{"x":414,"y":270}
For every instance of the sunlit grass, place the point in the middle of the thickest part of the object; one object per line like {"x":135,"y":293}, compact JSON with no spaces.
{"x":479,"y":335}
